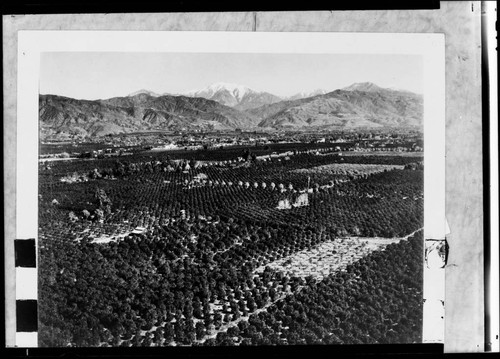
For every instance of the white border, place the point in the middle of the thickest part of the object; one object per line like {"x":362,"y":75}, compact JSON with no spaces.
{"x":26,"y":283}
{"x":429,"y":46}
{"x":26,"y":339}
{"x":494,"y":326}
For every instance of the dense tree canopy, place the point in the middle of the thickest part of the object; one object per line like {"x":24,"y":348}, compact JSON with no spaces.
{"x":191,"y":277}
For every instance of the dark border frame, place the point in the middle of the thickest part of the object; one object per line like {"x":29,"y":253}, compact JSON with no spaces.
{"x":96,"y":6}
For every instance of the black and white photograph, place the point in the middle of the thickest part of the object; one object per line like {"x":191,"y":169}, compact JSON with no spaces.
{"x":287,"y":182}
{"x":221,"y":199}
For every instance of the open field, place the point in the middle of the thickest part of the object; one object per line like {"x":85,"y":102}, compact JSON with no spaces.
{"x":350,"y":169}
{"x":382,"y":153}
{"x":328,"y":257}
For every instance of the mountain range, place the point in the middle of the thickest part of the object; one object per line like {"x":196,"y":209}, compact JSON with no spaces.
{"x":233,"y":95}
{"x":224,"y":106}
{"x":239,"y":97}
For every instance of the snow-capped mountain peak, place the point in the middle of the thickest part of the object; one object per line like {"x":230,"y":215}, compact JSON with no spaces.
{"x":238,"y":91}
{"x":234,"y":95}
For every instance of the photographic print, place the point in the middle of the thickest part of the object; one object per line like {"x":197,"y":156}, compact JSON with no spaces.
{"x":197,"y":198}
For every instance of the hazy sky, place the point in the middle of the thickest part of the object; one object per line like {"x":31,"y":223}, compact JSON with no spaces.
{"x":90,"y":75}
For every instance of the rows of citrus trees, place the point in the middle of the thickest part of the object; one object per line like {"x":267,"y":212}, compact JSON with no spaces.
{"x":193,"y":270}
{"x":149,"y":162}
{"x":143,"y":292}
{"x":136,"y":155}
{"x":377,"y":300}
{"x":147,"y":182}
{"x":167,"y":281}
{"x":385,"y":204}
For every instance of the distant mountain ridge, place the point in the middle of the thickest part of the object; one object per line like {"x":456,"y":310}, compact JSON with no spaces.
{"x":229,"y":106}
{"x":363,"y":86}
{"x":358,"y":105}
{"x":143,"y":91}
{"x":233,"y":95}
{"x":58,"y":114}
{"x":302,"y":95}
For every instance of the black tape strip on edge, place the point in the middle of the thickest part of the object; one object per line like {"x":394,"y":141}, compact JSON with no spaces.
{"x":27,"y":315}
{"x":25,"y":253}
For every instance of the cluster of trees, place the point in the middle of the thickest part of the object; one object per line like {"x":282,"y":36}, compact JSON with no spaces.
{"x":220,"y":252}
{"x":377,"y":300}
{"x":233,"y":152}
{"x":415,"y":166}
{"x":138,"y":155}
{"x":192,"y":274}
{"x":166,"y":168}
{"x":386,"y":204}
{"x":143,"y":291}
{"x":170,"y":280}
{"x":383,"y":204}
{"x":139,"y":159}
